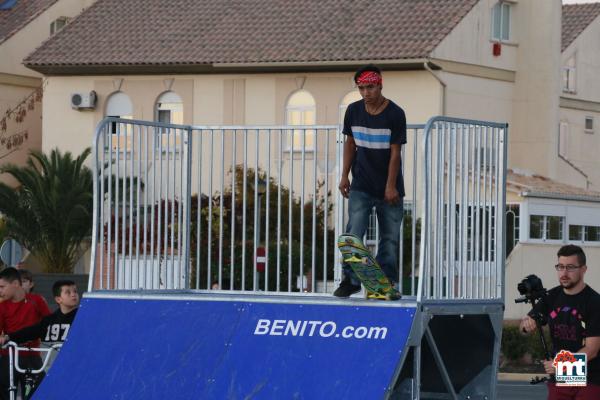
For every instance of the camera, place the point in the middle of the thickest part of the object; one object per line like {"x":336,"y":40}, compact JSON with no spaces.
{"x":531,"y":289}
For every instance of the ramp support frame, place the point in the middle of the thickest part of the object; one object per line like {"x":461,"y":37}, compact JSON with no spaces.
{"x":436,"y":365}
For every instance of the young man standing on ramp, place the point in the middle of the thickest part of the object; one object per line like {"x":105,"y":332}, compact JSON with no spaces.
{"x":375,"y":129}
{"x":572,"y":310}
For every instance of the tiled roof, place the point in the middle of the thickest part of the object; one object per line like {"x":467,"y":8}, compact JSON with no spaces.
{"x":575,"y":18}
{"x":533,"y":185}
{"x":19,"y":15}
{"x":121,"y":34}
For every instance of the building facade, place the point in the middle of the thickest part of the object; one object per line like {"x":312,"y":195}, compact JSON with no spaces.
{"x":277,"y":63}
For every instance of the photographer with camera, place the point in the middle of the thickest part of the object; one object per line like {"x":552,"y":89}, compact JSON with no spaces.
{"x":572,"y":310}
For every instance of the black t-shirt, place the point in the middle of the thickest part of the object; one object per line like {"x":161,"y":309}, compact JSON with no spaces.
{"x":52,"y":328}
{"x":373,"y":135}
{"x":571,"y":319}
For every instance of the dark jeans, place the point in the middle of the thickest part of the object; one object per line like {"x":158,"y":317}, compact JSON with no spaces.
{"x":389,"y":218}
{"x":25,"y":362}
{"x":589,"y":392}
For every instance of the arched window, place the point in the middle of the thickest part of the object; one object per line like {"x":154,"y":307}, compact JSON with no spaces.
{"x":118,"y":105}
{"x":346,"y":101}
{"x":169,"y":108}
{"x":301,"y":109}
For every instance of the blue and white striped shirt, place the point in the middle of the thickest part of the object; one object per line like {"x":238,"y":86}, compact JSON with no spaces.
{"x":374,"y":135}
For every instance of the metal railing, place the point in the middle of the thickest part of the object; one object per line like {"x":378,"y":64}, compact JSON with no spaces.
{"x":30,"y":373}
{"x":245,"y":208}
{"x":463,"y":214}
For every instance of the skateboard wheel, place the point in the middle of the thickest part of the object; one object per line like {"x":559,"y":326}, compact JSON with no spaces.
{"x":393,"y":296}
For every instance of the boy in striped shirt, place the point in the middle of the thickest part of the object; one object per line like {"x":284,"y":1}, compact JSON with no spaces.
{"x":375,"y":129}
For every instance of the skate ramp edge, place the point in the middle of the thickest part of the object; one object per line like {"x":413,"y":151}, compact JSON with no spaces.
{"x":212,"y":347}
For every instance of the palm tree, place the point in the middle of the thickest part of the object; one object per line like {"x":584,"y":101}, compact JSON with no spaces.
{"x":50,"y":212}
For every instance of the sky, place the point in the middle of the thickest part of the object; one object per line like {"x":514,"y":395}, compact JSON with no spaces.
{"x":580,"y":1}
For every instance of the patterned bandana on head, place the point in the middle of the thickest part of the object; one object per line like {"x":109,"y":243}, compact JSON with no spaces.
{"x":369,"y":78}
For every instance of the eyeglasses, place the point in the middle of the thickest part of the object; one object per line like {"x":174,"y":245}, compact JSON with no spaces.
{"x":568,"y":267}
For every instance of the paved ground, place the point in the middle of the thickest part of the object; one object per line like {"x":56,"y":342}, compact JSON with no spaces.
{"x":521,"y":390}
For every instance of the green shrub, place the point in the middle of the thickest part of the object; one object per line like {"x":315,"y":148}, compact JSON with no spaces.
{"x":515,"y":344}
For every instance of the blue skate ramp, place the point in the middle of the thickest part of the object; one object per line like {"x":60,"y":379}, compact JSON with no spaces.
{"x":200,"y":346}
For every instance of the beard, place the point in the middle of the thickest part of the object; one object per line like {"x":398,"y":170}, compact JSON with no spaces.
{"x":569,"y":284}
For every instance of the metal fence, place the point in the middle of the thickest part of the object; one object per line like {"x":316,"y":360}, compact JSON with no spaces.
{"x":463,"y":212}
{"x":251,"y":208}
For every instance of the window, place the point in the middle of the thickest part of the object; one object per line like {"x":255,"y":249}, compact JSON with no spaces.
{"x":589,"y":124}
{"x":592,"y":234}
{"x":118,"y":105}
{"x":477,"y":235}
{"x":512,"y":226}
{"x":575,"y":232}
{"x":346,"y":101}
{"x":481,"y":229}
{"x":169,"y":108}
{"x":301,"y":110}
{"x":569,"y":75}
{"x":501,"y":21}
{"x":58,"y":24}
{"x":546,"y":227}
{"x":563,"y":139}
{"x":583,"y":233}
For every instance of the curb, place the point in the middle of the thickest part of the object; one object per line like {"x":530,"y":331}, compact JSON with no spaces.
{"x":511,"y":376}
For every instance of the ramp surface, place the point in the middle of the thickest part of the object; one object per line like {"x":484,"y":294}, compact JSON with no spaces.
{"x":211,"y":347}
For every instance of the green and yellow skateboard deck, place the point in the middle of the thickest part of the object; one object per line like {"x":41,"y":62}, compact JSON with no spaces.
{"x":366,"y":268}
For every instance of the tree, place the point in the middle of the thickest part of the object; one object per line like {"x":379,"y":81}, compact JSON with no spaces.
{"x":288,"y":202}
{"x":50,"y":212}
{"x":2,"y":235}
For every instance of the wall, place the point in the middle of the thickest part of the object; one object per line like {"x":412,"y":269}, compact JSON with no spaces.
{"x":12,"y":151}
{"x":582,"y":144}
{"x":44,"y":282}
{"x":521,"y":86}
{"x":534,"y":131}
{"x":587,"y":51}
{"x":581,"y":149}
{"x":479,"y":98}
{"x":17,"y":82}
{"x":470,"y":42}
{"x":222,"y":99}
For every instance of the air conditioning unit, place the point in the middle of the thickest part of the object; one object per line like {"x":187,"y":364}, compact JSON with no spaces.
{"x":83,"y":101}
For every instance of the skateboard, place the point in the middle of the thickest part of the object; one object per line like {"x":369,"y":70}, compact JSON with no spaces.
{"x":366,"y":268}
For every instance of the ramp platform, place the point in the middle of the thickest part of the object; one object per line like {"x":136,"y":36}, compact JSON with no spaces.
{"x":207,"y":346}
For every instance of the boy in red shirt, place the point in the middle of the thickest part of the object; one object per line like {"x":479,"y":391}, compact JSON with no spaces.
{"x":18,"y":310}
{"x":28,"y":284}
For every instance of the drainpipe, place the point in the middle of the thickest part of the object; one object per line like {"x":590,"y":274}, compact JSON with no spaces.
{"x":442,"y":83}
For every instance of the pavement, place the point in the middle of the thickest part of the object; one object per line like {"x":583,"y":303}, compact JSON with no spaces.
{"x":517,"y":387}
